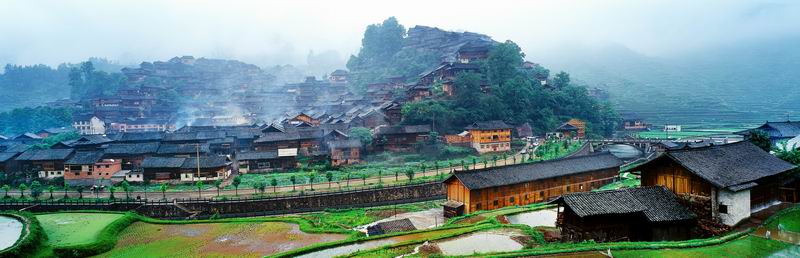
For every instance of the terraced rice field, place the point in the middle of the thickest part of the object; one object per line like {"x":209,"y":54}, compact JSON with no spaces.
{"x":244,"y":239}
{"x":66,"y":229}
{"x":749,"y":246}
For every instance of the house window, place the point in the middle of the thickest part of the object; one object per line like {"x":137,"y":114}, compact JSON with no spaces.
{"x":511,"y":199}
{"x":478,"y":206}
{"x":89,"y":173}
{"x":568,"y":189}
{"x":580,"y":187}
{"x":495,"y":203}
{"x":723,"y":209}
{"x":541,"y":194}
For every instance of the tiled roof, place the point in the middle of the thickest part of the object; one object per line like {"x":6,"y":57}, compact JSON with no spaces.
{"x":489,"y":125}
{"x":727,"y":165}
{"x":514,"y":174}
{"x":48,"y":154}
{"x":132,"y":148}
{"x":657,"y":203}
{"x":256,"y":155}
{"x":85,"y":157}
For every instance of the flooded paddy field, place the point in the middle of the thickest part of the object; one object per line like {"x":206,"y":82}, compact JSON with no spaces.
{"x":243,"y":239}
{"x":540,"y":218}
{"x":500,"y":240}
{"x":371,"y":244}
{"x":10,"y":231}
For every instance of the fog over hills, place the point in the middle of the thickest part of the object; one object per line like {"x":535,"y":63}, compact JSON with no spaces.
{"x":737,"y":83}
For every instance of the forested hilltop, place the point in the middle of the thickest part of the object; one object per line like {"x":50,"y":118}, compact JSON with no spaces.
{"x":505,"y":87}
{"x":743,"y":83}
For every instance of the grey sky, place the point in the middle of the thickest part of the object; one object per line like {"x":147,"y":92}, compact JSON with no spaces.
{"x":277,"y":32}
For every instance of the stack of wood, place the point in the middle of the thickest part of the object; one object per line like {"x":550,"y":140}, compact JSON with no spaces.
{"x":707,"y":225}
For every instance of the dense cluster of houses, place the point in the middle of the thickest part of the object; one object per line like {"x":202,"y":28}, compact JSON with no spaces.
{"x":680,"y":189}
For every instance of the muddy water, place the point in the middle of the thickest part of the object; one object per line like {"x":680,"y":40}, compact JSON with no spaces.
{"x":214,"y":239}
{"x":481,"y":242}
{"x":783,"y":236}
{"x":10,"y":231}
{"x":540,"y":218}
{"x":420,"y":219}
{"x":352,"y":248}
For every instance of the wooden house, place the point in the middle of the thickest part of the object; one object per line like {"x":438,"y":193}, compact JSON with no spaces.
{"x":338,"y":76}
{"x":47,"y":163}
{"x":650,"y":213}
{"x":344,"y":152}
{"x":131,"y":155}
{"x":738,"y":178}
{"x":497,"y":187}
{"x":7,"y":162}
{"x":264,"y":161}
{"x":400,"y":137}
{"x":89,"y":142}
{"x":778,"y":131}
{"x":185,"y":169}
{"x":580,"y":125}
{"x":27,"y":138}
{"x":565,"y":131}
{"x":490,"y":136}
{"x":86,"y":167}
{"x":183,"y":150}
{"x":633,"y":122}
{"x":44,"y":133}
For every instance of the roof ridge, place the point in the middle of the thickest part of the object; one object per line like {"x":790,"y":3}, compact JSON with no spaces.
{"x":537,"y":162}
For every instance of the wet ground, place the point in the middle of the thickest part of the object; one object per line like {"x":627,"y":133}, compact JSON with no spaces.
{"x":10,"y":231}
{"x":366,"y":245}
{"x":501,"y":240}
{"x":540,"y":218}
{"x":421,"y":219}
{"x":214,"y":239}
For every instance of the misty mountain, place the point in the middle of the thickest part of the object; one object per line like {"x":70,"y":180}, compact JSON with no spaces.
{"x":745,"y":83}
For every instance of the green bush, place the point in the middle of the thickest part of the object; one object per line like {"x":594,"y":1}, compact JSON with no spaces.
{"x":27,"y":245}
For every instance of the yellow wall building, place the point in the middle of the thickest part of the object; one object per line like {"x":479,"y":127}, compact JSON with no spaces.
{"x":490,"y":136}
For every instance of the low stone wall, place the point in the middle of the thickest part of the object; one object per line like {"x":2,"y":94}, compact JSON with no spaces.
{"x":255,"y":207}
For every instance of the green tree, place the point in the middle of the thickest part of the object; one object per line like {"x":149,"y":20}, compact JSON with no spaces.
{"x":362,"y":134}
{"x":364,"y":178}
{"x":293,"y":179}
{"x":22,"y":187}
{"x":199,"y":186}
{"x":329,"y":176}
{"x":51,"y":189}
{"x":236,"y":182}
{"x":6,"y":188}
{"x":561,"y":80}
{"x":36,"y":189}
{"x":163,"y":188}
{"x":80,"y":189}
{"x":761,"y":139}
{"x":112,"y":189}
{"x":218,"y":185}
{"x":66,"y":189}
{"x":789,"y":154}
{"x":380,"y":43}
{"x":274,"y":183}
{"x":410,"y":175}
{"x":503,"y":62}
{"x":126,"y":187}
{"x":311,"y":177}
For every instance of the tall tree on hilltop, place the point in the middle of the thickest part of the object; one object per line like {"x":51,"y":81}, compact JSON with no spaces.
{"x":561,"y":80}
{"x":380,"y":43}
{"x":503,"y":62}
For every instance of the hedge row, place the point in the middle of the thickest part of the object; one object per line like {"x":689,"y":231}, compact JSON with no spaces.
{"x":28,"y":244}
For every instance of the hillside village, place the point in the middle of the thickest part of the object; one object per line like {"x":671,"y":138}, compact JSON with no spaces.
{"x":487,"y":134}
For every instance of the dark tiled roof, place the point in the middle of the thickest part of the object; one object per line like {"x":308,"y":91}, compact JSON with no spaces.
{"x":194,"y":136}
{"x":169,"y":148}
{"x":132,"y":148}
{"x":298,"y":134}
{"x":349,"y":143}
{"x":786,"y":129}
{"x":138,"y":137}
{"x":729,"y":164}
{"x":256,"y":155}
{"x":48,"y":154}
{"x":5,"y":156}
{"x":403,"y":129}
{"x":89,"y":140}
{"x":489,"y":125}
{"x":57,"y":130}
{"x":656,"y":203}
{"x":161,"y":162}
{"x":514,"y":174}
{"x":27,"y":135}
{"x":205,"y":162}
{"x":567,"y":127}
{"x":85,"y":157}
{"x":401,"y":225}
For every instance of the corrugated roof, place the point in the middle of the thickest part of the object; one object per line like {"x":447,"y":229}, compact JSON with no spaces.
{"x":514,"y":174}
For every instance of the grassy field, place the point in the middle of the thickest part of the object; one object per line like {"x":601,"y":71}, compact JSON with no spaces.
{"x":627,"y":180}
{"x":66,"y":229}
{"x":789,"y":221}
{"x":749,"y":246}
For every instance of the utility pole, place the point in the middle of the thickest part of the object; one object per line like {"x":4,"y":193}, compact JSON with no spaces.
{"x":197,"y":148}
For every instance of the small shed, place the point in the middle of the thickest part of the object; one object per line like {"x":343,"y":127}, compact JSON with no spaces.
{"x":394,"y":226}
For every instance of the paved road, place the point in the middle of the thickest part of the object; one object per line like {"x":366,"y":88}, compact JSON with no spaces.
{"x":318,"y":187}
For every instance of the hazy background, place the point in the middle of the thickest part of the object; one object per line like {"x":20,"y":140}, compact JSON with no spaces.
{"x":696,"y":63}
{"x":281,"y":32}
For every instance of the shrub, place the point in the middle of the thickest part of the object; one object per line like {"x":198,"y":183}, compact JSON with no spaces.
{"x":105,"y":241}
{"x":27,"y":245}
